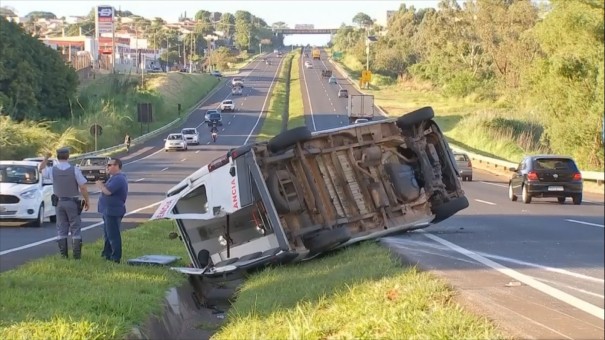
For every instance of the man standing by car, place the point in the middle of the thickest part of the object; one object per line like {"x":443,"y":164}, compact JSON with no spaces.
{"x":68,"y":183}
{"x":112,"y":205}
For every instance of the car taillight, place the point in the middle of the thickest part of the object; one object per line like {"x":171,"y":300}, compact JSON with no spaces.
{"x":532,"y":176}
{"x":577,"y":176}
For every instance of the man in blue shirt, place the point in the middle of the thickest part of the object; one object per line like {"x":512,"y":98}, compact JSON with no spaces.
{"x":112,"y":205}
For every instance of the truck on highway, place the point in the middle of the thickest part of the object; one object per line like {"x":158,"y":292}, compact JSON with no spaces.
{"x":316,"y":54}
{"x":360,"y":106}
{"x":301,"y":194}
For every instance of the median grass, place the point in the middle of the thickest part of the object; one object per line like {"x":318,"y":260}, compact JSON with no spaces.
{"x":296,"y":109}
{"x":278,"y":105}
{"x":362,"y":292}
{"x":53,"y":298}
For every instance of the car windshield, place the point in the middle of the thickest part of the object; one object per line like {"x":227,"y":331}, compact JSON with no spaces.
{"x":211,"y":112}
{"x":227,"y":102}
{"x":460,"y":158}
{"x":215,"y":116}
{"x":189,"y":132}
{"x":175,"y":137}
{"x":555,"y":164}
{"x":343,"y":91}
{"x":21,"y":174}
{"x":94,"y":162}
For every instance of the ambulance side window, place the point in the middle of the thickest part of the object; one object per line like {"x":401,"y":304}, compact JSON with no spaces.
{"x":197,"y":201}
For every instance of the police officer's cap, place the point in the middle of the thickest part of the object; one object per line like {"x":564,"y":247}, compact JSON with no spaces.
{"x":63,"y":152}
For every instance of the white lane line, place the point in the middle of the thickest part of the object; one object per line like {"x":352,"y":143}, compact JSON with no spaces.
{"x":260,"y":115}
{"x":198,"y":151}
{"x":586,"y":223}
{"x":309,"y":98}
{"x":164,"y":169}
{"x":583,"y":291}
{"x":31,"y":245}
{"x":528,"y":280}
{"x":140,"y":179}
{"x":140,"y":159}
{"x":546,"y":268}
{"x":495,"y":184}
{"x":184,"y":159}
{"x":485,"y":202}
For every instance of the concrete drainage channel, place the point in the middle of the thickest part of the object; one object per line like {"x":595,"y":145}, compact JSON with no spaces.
{"x":186,"y":316}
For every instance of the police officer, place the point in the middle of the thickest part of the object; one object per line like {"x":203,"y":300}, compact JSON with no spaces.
{"x":68,"y":183}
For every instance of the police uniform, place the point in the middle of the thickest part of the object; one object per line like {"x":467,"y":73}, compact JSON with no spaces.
{"x":66,"y":181}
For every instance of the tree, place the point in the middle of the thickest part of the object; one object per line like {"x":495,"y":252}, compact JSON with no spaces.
{"x":226,"y":24}
{"x":279,"y":24}
{"x":40,"y":15}
{"x":362,"y":20}
{"x":35,"y":83}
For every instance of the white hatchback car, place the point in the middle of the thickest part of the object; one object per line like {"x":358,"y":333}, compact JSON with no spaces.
{"x":191,"y":136}
{"x":175,"y":141}
{"x":227,"y":105}
{"x":24,"y":195}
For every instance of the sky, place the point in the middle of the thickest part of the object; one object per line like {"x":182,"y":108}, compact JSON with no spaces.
{"x":322,"y":14}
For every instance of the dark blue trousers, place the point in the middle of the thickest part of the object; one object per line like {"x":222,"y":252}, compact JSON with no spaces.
{"x":113,"y":238}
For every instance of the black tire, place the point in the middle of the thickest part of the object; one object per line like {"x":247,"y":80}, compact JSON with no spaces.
{"x":561,"y":200}
{"x":288,"y":138}
{"x":577,"y":199}
{"x":525,"y":195}
{"x":282,"y":205}
{"x":469,"y":178}
{"x":511,"y":194}
{"x":325,"y":239}
{"x":53,"y":219}
{"x":37,"y":223}
{"x":415,"y":117}
{"x":448,"y":209}
{"x":203,"y":258}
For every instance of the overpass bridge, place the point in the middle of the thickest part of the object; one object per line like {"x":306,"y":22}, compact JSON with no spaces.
{"x":289,"y":31}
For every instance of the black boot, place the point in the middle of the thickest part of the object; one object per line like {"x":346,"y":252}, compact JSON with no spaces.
{"x":63,"y":247}
{"x":77,"y":248}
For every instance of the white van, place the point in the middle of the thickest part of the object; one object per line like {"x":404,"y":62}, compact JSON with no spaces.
{"x":302,"y":193}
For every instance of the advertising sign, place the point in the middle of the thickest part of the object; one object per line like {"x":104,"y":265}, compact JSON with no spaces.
{"x":104,"y":20}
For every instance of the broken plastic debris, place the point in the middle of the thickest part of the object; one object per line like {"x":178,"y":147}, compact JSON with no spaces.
{"x":513,"y":284}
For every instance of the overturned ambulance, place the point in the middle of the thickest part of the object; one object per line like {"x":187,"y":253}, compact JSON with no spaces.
{"x":302,"y":193}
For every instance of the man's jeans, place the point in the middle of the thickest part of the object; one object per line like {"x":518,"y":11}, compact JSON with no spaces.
{"x":113,"y":238}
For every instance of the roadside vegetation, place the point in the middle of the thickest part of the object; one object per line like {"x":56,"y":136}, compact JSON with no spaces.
{"x":277,"y":117}
{"x":296,"y":109}
{"x":506,"y":78}
{"x":362,"y":292}
{"x":53,"y":298}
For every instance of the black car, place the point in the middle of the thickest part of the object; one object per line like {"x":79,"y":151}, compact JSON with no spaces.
{"x":546,"y":176}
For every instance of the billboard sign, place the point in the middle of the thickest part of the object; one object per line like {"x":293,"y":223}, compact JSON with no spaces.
{"x":104,"y":20}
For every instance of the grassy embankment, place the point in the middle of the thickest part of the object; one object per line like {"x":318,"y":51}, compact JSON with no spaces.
{"x":496,"y":131}
{"x":110,"y":101}
{"x":51,"y":298}
{"x":278,"y":104}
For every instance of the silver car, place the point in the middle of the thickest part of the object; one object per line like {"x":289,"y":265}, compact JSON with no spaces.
{"x":465,"y":167}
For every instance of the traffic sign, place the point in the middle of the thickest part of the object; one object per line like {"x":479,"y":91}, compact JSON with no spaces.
{"x":366,"y":76}
{"x":96,"y":130}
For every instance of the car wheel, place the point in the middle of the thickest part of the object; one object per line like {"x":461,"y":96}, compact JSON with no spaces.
{"x":577,"y":199}
{"x":53,"y":219}
{"x":469,"y":178}
{"x":511,"y":194}
{"x":561,"y":200}
{"x":40,"y":220}
{"x":525,"y":195}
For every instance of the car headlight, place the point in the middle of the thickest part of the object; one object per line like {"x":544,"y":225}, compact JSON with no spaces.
{"x":29,"y":194}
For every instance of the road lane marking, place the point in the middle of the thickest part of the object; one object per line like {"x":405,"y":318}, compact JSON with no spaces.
{"x":260,"y":115}
{"x":140,"y":179}
{"x":308,"y":98}
{"x":198,"y":151}
{"x":35,"y":244}
{"x":495,"y":184}
{"x":485,"y":202}
{"x":184,"y":159}
{"x":528,"y":280}
{"x":164,"y":169}
{"x":586,"y":223}
{"x":542,"y":267}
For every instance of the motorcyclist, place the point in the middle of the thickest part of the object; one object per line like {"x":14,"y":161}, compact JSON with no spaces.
{"x":214,"y":132}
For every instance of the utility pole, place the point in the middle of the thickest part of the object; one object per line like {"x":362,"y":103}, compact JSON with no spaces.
{"x":113,"y":42}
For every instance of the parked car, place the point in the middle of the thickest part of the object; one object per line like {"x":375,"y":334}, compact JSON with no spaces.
{"x":24,"y":194}
{"x":332,"y":80}
{"x":94,"y":168}
{"x":227,"y":105}
{"x":465,"y":166}
{"x":175,"y":141}
{"x":301,"y":194}
{"x":191,"y":136}
{"x":343,"y":93}
{"x":546,"y":176}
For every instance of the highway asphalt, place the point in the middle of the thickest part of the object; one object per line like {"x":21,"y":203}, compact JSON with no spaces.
{"x":152,"y":171}
{"x":537,"y":269}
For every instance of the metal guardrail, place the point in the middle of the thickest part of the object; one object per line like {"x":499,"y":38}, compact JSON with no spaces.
{"x":596,"y":176}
